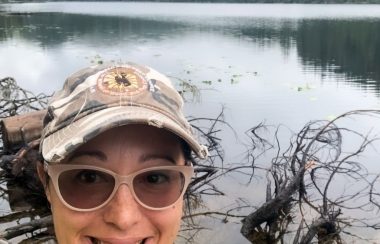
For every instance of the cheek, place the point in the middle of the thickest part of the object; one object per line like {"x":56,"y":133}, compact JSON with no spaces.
{"x":168,"y":222}
{"x":68,"y":224}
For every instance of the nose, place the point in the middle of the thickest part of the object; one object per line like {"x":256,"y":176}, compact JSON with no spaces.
{"x":122,"y":211}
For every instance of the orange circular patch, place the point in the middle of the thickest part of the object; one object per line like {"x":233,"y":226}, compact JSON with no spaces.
{"x":121,"y":81}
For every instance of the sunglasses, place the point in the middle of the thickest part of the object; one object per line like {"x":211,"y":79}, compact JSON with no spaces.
{"x":87,"y":188}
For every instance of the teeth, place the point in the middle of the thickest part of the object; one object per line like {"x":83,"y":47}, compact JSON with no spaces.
{"x":96,"y":241}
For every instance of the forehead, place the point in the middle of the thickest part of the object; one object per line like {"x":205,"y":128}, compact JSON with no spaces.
{"x":135,"y":136}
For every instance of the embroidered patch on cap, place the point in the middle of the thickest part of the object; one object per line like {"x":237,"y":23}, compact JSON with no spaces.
{"x":121,"y":81}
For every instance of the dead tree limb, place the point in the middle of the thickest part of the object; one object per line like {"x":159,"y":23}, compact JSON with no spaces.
{"x":29,"y":227}
{"x":309,"y":167}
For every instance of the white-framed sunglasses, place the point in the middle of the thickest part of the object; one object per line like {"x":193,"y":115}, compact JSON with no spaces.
{"x":87,"y":188}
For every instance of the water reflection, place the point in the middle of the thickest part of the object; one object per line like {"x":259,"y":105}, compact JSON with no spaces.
{"x":345,"y":48}
{"x":51,"y":29}
{"x":262,"y":68}
{"x":348,"y":47}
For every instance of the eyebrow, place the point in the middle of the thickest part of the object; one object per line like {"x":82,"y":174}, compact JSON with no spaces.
{"x":103,"y":157}
{"x":146,"y":157}
{"x":96,"y":154}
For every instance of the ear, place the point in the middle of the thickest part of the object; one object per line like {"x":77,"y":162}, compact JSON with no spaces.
{"x":42,"y":175}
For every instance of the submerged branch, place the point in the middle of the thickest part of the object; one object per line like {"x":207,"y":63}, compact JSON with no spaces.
{"x":29,"y":227}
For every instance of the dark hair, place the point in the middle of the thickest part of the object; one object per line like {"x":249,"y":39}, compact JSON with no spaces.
{"x":187,"y":152}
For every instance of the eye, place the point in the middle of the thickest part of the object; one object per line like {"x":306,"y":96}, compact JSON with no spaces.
{"x":91,"y":177}
{"x":157,"y":178}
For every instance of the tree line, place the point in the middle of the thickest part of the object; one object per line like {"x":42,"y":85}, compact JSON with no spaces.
{"x":221,"y":1}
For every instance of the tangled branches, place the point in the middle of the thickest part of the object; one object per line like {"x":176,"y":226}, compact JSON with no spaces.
{"x":15,"y":100}
{"x":317,"y":187}
{"x":18,"y":179}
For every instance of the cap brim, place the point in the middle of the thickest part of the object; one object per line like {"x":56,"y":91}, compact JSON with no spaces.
{"x":58,"y":145}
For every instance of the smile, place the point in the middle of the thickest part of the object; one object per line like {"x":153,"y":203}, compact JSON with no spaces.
{"x":98,"y":241}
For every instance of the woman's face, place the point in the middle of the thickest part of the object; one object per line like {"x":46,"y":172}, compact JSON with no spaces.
{"x":123,"y":220}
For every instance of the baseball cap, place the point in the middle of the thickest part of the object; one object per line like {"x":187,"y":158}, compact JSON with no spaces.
{"x":105,"y":96}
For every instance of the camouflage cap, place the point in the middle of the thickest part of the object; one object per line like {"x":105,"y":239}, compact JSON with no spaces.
{"x":98,"y":98}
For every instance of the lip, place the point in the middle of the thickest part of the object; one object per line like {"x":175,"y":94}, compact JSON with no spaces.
{"x":129,"y":240}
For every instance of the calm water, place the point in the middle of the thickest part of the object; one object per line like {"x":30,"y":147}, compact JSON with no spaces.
{"x":283,"y":64}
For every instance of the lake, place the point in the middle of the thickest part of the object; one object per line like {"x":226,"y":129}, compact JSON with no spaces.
{"x":278,"y":63}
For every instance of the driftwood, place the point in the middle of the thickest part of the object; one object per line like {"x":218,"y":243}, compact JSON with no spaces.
{"x":20,"y":136}
{"x":31,"y":226}
{"x":19,"y":130}
{"x":19,"y":153}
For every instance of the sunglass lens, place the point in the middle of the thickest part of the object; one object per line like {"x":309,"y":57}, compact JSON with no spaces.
{"x":159,"y":188}
{"x":85,"y":188}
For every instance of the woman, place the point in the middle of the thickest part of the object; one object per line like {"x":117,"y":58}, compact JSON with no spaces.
{"x":116,"y":150}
